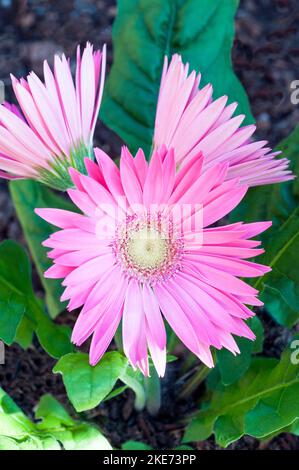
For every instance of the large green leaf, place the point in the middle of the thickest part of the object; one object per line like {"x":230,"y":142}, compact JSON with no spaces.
{"x":21,"y":312}
{"x":263,"y":402}
{"x":74,"y":435}
{"x":279,"y":203}
{"x":55,"y":339}
{"x":147,"y":30}
{"x":28,"y":195}
{"x":88,"y":385}
{"x":56,"y":428}
{"x":17,"y":432}
{"x":24,"y":333}
{"x":15,"y":289}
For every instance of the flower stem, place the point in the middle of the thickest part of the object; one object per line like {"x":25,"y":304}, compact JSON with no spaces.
{"x":140,"y":399}
{"x":152,"y":387}
{"x":118,"y":339}
{"x":189,"y":363}
{"x":194,"y":382}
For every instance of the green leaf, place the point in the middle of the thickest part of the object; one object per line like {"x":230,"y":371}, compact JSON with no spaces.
{"x":24,"y":333}
{"x":117,"y":391}
{"x":28,"y":195}
{"x":12,"y":419}
{"x":74,"y":435}
{"x":279,"y":203}
{"x":55,"y":339}
{"x":233,"y":367}
{"x":56,"y":428}
{"x":184,"y":447}
{"x":294,"y":428}
{"x":147,"y":30}
{"x":29,"y":442}
{"x":88,"y":385}
{"x":52,"y":413}
{"x":135,"y":445}
{"x":15,"y":289}
{"x":6,"y":443}
{"x":21,"y":312}
{"x":264,"y":401}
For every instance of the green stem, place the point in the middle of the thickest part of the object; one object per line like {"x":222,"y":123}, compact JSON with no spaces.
{"x":152,"y":387}
{"x":118,"y":339}
{"x":192,"y":384}
{"x":137,"y":388}
{"x":189,"y":363}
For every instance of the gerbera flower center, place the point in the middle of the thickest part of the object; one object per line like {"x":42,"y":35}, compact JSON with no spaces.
{"x":148,"y":250}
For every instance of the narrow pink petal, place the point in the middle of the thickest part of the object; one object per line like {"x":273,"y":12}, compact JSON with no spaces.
{"x":87,"y":91}
{"x":181,"y":325}
{"x":141,"y":167}
{"x":66,"y":219}
{"x":92,"y":269}
{"x":47,"y":102}
{"x":76,"y":258}
{"x":57,"y":272}
{"x":95,"y":172}
{"x":24,"y":135}
{"x":129,"y":179}
{"x":68,"y":99}
{"x":152,"y":193}
{"x":110,"y":172}
{"x":83,"y":201}
{"x":133,"y":317}
{"x":154,"y":317}
{"x":103,"y":335}
{"x":100,"y":64}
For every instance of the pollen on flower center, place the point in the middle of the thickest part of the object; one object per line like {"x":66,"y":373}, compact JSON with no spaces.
{"x":148,"y":249}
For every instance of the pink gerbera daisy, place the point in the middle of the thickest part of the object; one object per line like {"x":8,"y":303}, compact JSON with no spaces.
{"x":138,"y":253}
{"x":188,"y":120}
{"x":59,"y":117}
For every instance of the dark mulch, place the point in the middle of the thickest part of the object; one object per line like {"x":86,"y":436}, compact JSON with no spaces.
{"x":266,"y":58}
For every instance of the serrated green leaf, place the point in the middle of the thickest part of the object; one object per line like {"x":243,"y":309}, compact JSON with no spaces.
{"x":262,"y":402}
{"x":279,"y":203}
{"x":28,"y":195}
{"x":147,"y":30}
{"x":88,"y":385}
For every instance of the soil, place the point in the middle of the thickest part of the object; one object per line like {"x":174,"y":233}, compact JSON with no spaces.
{"x":266,"y":58}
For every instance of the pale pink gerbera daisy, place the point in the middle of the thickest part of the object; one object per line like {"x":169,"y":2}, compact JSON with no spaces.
{"x":59,"y":117}
{"x":188,"y":120}
{"x":155,"y":259}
